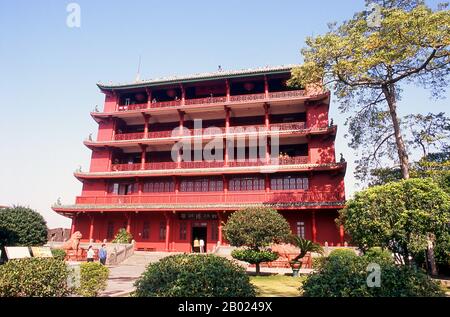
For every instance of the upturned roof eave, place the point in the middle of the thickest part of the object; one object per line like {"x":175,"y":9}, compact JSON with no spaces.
{"x":196,"y":78}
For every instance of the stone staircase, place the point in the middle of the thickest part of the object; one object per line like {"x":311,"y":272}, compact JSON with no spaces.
{"x":122,"y":276}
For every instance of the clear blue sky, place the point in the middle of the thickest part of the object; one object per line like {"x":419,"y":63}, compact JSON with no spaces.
{"x":48,"y":72}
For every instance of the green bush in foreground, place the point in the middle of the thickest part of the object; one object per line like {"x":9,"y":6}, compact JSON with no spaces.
{"x":93,"y":279}
{"x":34,"y":277}
{"x":345,"y":274}
{"x":59,"y":254}
{"x":187,"y":275}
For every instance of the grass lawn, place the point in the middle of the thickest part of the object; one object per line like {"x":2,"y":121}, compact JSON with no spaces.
{"x":277,"y":285}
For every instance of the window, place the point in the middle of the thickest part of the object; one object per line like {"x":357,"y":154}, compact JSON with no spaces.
{"x":246,"y":183}
{"x":301,"y":229}
{"x":159,"y":186}
{"x":183,"y":231}
{"x":122,"y":188}
{"x":110,"y":230}
{"x":146,"y":230}
{"x":162,"y":230}
{"x":113,"y":188}
{"x":201,"y":185}
{"x":289,"y":182}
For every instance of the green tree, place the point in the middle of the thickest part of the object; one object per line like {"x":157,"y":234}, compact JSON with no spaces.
{"x":398,"y":216}
{"x":256,"y":229}
{"x":366,"y":63}
{"x":21,"y":226}
{"x":122,"y":236}
{"x":344,"y":274}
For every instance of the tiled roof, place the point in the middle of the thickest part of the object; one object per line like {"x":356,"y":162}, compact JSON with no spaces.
{"x":197,"y":77}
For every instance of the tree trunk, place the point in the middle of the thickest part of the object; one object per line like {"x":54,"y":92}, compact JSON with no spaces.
{"x":257,"y":268}
{"x":430,"y":255}
{"x":389,"y":93}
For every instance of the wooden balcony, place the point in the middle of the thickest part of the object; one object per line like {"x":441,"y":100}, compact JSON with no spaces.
{"x":276,"y":127}
{"x":214,"y":100}
{"x":205,"y":164}
{"x":214,"y":198}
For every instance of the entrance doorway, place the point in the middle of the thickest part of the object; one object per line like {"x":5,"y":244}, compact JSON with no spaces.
{"x":199,"y":233}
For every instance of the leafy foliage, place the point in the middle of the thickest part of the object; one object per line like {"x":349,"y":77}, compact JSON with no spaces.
{"x":34,"y":277}
{"x":59,"y":254}
{"x":305,"y":246}
{"x":254,"y":256}
{"x":21,"y":226}
{"x":93,"y":279}
{"x":256,"y":228}
{"x":122,"y":236}
{"x":187,"y":275}
{"x":344,"y":274}
{"x":398,"y":216}
{"x":366,"y":65}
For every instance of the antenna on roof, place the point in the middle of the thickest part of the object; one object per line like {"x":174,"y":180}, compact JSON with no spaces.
{"x":138,"y":75}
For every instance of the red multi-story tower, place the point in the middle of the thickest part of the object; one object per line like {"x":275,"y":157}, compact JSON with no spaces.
{"x":141,"y":177}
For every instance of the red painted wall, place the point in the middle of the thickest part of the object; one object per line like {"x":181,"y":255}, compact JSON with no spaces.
{"x":321,"y":150}
{"x":110,"y":103}
{"x":317,"y":115}
{"x":100,"y":161}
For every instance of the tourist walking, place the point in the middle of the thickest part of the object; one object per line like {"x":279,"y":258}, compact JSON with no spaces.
{"x":102,"y":254}
{"x":90,"y":254}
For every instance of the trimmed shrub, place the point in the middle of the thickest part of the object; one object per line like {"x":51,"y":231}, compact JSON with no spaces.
{"x":256,"y":229}
{"x":345,"y":275}
{"x":21,"y":226}
{"x":93,"y":279}
{"x":59,"y":254}
{"x":122,"y":236}
{"x":185,"y":275}
{"x":34,"y":277}
{"x":254,"y":256}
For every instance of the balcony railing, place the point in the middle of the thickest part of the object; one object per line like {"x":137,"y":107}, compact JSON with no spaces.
{"x":212,"y":131}
{"x":212,"y":100}
{"x":295,"y":160}
{"x":214,"y":198}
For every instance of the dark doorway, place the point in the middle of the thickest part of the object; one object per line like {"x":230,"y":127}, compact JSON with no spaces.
{"x":199,"y":233}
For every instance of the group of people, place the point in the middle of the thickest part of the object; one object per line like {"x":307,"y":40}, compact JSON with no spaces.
{"x":199,"y":245}
{"x":102,"y":254}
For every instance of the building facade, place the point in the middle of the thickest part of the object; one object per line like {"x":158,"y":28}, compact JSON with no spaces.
{"x":174,"y":157}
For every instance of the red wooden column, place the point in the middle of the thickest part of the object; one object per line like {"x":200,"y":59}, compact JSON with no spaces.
{"x":149,"y":100}
{"x":267,"y":183}
{"x":167,"y":216}
{"x":267,"y":126}
{"x":128,"y":216}
{"x":227,"y":131}
{"x":91,"y":228}
{"x":227,"y":85}
{"x":266,"y":87}
{"x":72,"y":228}
{"x":181,"y":127}
{"x":314,"y":229}
{"x":143,"y":153}
{"x":220,"y":218}
{"x":146,"y":124}
{"x":183,"y":95}
{"x":341,"y":234}
{"x":117,"y":95}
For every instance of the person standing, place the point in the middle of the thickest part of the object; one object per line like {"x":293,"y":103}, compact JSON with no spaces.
{"x":202,"y":246}
{"x":102,"y":254}
{"x":90,"y":254}
{"x":196,"y":245}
